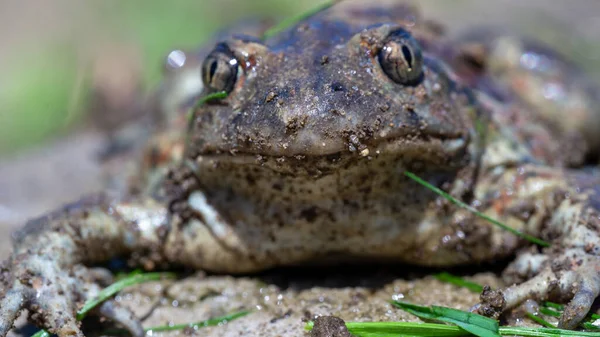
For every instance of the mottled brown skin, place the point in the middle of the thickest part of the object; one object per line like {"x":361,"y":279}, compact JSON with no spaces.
{"x":304,"y":161}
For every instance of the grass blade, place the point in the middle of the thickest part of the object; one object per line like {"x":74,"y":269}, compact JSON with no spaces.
{"x":467,"y":317}
{"x":209,"y":322}
{"x":476,"y":324}
{"x":539,"y":320}
{"x":590,"y":326}
{"x":409,"y":329}
{"x":41,"y":333}
{"x":461,"y":204}
{"x":544,"y":332}
{"x":395,"y":329}
{"x":210,"y":97}
{"x":549,"y":312}
{"x":118,"y":286}
{"x":459,"y":281}
{"x":553,"y":305}
{"x":404,"y":329}
{"x":201,"y":101}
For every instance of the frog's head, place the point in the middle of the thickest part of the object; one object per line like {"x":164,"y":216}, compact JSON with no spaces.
{"x":328,"y":89}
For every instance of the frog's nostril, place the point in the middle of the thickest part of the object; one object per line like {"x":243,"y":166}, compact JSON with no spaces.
{"x":337,"y":86}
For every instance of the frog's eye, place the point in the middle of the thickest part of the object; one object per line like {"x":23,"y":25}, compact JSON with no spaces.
{"x":401,"y":59}
{"x":220,"y":69}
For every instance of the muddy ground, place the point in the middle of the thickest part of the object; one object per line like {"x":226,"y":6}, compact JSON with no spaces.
{"x":41,"y":179}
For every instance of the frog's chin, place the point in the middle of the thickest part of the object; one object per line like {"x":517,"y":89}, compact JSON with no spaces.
{"x":447,"y":152}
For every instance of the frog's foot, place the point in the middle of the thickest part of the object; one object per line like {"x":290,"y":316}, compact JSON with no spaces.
{"x":575,"y":277}
{"x":109,"y":309}
{"x":53,"y":296}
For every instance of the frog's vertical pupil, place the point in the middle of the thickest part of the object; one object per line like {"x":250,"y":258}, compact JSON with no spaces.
{"x":407,"y":56}
{"x":400,"y":58}
{"x":213,"y":70}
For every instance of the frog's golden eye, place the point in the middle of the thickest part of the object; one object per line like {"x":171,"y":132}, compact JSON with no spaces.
{"x":401,"y":59}
{"x":220,"y":69}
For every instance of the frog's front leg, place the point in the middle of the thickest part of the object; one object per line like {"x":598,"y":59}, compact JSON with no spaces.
{"x":562,"y":207}
{"x":46,"y":274}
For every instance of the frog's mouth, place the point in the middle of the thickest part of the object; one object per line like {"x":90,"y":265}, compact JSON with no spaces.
{"x":405,"y":150}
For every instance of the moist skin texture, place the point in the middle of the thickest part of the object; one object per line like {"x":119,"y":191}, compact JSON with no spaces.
{"x":304,"y":162}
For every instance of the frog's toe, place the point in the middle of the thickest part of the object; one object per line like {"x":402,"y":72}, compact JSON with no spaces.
{"x":10,"y":306}
{"x":47,"y":308}
{"x":587,"y":289}
{"x":113,"y":311}
{"x":53,"y":299}
{"x":56,"y":315}
{"x":575,"y":278}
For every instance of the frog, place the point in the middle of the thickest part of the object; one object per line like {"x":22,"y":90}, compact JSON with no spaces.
{"x":307,"y":160}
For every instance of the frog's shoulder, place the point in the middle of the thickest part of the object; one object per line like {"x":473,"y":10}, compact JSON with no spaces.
{"x":528,"y":88}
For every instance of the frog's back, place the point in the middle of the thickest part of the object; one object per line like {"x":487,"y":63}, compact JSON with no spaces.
{"x":338,"y":24}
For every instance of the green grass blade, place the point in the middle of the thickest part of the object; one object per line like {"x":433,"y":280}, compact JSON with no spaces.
{"x":210,"y":97}
{"x":417,"y":310}
{"x":41,"y":333}
{"x":285,"y":23}
{"x":459,"y":281}
{"x":372,"y":329}
{"x":476,"y":324}
{"x":461,"y":204}
{"x":409,"y":329}
{"x":201,"y":101}
{"x":553,"y":305}
{"x":118,"y":286}
{"x":549,"y":312}
{"x":483,"y":326}
{"x":209,"y":322}
{"x":589,"y":326}
{"x":539,"y":320}
{"x":395,"y":329}
{"x":544,"y":332}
